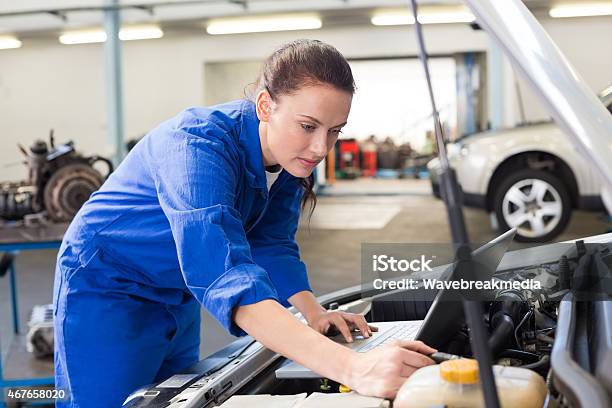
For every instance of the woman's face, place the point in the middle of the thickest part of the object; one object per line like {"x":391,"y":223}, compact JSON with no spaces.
{"x":298,"y":130}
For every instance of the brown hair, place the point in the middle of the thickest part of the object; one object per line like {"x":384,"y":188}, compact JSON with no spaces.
{"x":301,"y":63}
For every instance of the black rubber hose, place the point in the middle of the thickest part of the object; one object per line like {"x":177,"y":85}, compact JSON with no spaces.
{"x":539,"y":365}
{"x":524,"y":356}
{"x":502,"y":331}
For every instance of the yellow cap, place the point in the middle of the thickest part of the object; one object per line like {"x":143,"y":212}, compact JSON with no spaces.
{"x":344,"y":388}
{"x":461,"y":371}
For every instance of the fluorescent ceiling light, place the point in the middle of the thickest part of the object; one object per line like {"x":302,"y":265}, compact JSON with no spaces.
{"x":392,"y":18}
{"x":263,"y":24}
{"x":446,"y":17}
{"x":581,"y":10}
{"x":82,"y":37}
{"x":427,"y":15}
{"x":143,"y":32}
{"x":9,"y":42}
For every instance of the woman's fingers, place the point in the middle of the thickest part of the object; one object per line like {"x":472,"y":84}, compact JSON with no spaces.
{"x":359,"y":322}
{"x":382,"y":371}
{"x":416,"y":345}
{"x":415,"y":359}
{"x":342,"y":326}
{"x":345,"y":322}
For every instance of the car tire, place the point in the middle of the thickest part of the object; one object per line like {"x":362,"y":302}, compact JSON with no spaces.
{"x":537,"y":203}
{"x":435,"y":189}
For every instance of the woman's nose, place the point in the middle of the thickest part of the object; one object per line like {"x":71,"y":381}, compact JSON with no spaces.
{"x":318,"y":147}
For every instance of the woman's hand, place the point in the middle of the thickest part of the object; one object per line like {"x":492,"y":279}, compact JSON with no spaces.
{"x":382,"y":371}
{"x":344,"y":322}
{"x":323,"y":320}
{"x":379,"y":372}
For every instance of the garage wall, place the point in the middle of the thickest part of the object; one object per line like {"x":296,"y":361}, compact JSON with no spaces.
{"x":585,"y":42}
{"x":224,"y":81}
{"x":47,"y":85}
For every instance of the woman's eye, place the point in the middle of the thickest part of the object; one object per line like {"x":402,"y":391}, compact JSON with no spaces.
{"x":307,"y":127}
{"x":336,"y":131}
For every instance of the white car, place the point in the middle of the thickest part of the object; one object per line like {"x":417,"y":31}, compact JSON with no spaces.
{"x":528,"y":177}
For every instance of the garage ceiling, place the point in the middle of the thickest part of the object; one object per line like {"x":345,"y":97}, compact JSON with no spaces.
{"x":22,"y":16}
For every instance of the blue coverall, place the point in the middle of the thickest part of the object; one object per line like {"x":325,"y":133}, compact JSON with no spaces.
{"x":185,"y":221}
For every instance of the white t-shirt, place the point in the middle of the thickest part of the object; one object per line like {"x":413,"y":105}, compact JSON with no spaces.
{"x":271,"y":177}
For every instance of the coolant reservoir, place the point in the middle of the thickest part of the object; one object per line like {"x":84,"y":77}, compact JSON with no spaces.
{"x":455,"y":383}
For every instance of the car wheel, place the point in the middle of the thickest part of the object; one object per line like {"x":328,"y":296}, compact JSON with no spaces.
{"x":534,"y":202}
{"x":435,"y":189}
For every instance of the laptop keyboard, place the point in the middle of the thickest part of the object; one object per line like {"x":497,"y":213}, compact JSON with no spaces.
{"x":399,"y":332}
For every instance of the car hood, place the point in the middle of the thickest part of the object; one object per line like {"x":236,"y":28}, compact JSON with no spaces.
{"x":492,"y":136}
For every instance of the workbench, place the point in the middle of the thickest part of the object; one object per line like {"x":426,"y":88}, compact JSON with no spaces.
{"x":14,"y":239}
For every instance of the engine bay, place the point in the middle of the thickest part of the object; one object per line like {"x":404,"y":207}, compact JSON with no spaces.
{"x":562,"y":332}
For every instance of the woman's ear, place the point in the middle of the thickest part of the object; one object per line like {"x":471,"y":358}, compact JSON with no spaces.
{"x":263,"y":105}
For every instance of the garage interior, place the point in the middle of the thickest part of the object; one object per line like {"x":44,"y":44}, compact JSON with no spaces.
{"x":71,"y":91}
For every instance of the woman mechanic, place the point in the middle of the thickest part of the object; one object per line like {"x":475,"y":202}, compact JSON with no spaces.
{"x":203,"y":212}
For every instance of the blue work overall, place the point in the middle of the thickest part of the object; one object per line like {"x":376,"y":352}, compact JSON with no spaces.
{"x":185,"y":221}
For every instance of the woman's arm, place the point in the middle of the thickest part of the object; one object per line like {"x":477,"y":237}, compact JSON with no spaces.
{"x":277,"y":329}
{"x":307,"y":304}
{"x":379,"y":372}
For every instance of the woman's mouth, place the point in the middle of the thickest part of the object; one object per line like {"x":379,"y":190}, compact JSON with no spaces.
{"x":308,"y":163}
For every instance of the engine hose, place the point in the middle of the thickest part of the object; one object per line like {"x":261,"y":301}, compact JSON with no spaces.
{"x":504,"y":314}
{"x":527,"y":316}
{"x":545,"y":338}
{"x":544,"y":362}
{"x":504,"y":327}
{"x":529,"y":358}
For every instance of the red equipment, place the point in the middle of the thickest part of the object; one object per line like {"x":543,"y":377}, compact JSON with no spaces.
{"x":348,"y":162}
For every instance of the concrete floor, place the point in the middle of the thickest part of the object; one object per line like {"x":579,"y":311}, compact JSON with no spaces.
{"x":332,"y":255}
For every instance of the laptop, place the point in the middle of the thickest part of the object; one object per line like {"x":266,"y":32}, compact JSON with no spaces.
{"x":388,"y":332}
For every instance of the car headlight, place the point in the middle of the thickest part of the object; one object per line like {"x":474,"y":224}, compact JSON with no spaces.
{"x":453,"y":150}
{"x":433,"y":164}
